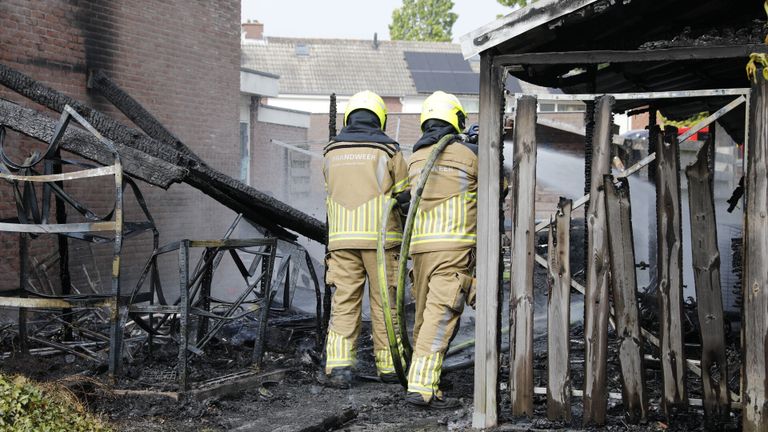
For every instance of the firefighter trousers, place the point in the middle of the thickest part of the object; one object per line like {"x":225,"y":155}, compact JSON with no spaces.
{"x":442,"y":281}
{"x":347,"y":271}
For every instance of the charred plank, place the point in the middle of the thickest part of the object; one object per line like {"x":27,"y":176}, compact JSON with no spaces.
{"x":670,"y":272}
{"x":596,"y":295}
{"x":138,"y":164}
{"x":624,"y":285}
{"x":559,"y":315}
{"x":132,"y":109}
{"x":706,"y":272}
{"x":521,"y":268}
{"x":754,"y":389}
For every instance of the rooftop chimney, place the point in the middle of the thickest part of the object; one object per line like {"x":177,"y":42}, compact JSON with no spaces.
{"x":253,"y":29}
{"x":375,"y":41}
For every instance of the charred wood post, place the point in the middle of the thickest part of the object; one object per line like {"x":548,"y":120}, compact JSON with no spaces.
{"x":262,"y":209}
{"x":204,"y":297}
{"x":319,"y":329}
{"x":523,"y":249}
{"x":63,"y":244}
{"x":23,"y":275}
{"x":754,"y":390}
{"x":328,"y":292}
{"x":489,"y":226}
{"x":598,"y":263}
{"x":624,"y":285}
{"x":559,"y":315}
{"x":670,"y":273}
{"x":706,"y":271}
{"x":654,"y":137}
{"x":99,"y":81}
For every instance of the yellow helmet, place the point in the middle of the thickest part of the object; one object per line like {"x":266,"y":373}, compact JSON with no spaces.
{"x":443,"y":106}
{"x":370,"y":101}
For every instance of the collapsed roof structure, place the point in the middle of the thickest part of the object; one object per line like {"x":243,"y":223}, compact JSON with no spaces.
{"x":155,"y":156}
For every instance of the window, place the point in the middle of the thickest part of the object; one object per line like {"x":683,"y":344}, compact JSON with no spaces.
{"x":547,"y":107}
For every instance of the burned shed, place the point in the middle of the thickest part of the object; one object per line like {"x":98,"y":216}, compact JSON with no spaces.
{"x":672,"y":59}
{"x":120,"y":161}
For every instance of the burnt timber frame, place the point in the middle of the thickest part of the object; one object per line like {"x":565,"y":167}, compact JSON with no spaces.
{"x":493,"y":68}
{"x":194,"y":294}
{"x":113,"y":300}
{"x":254,"y":204}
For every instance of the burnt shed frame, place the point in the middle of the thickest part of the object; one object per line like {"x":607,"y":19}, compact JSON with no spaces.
{"x":494,"y":67}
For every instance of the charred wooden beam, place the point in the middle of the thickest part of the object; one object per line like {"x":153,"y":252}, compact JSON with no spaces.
{"x":52,"y":99}
{"x":690,"y":53}
{"x":754,"y":390}
{"x":138,"y":164}
{"x":257,"y":206}
{"x":489,"y":228}
{"x":559,"y":315}
{"x":670,"y":272}
{"x":624,"y":285}
{"x":99,"y":81}
{"x":523,"y":249}
{"x":706,"y":272}
{"x":596,"y":296}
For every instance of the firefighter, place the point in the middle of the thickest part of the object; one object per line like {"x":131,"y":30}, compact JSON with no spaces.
{"x":442,"y":245}
{"x":363,"y":168}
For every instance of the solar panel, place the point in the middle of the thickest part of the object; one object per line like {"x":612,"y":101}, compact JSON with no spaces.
{"x":448,"y":72}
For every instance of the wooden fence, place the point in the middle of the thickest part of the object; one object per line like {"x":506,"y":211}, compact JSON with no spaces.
{"x":610,"y":291}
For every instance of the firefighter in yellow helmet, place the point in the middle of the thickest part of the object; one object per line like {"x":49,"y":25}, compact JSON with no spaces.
{"x":363,"y":168}
{"x":442,"y":244}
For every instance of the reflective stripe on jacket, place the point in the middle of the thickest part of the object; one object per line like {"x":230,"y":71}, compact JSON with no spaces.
{"x":447,"y":215}
{"x":359,"y":180}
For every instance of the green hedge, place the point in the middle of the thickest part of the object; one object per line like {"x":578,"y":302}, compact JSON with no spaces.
{"x":29,"y":406}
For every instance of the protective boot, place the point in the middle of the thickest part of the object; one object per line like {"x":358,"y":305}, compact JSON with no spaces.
{"x":340,"y":378}
{"x":435,"y":402}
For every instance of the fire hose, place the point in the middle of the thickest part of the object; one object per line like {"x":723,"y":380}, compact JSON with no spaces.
{"x":396,"y":341}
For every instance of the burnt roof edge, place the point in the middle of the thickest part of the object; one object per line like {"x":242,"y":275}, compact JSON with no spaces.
{"x":517,"y":23}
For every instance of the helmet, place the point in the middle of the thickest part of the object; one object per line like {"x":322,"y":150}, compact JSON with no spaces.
{"x":370,"y":101}
{"x":443,"y":106}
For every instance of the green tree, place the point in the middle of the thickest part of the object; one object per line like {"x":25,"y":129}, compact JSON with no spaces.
{"x":423,"y":20}
{"x":511,"y":3}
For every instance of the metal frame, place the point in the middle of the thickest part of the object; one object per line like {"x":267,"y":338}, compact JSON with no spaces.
{"x":23,"y":175}
{"x":195,"y":294}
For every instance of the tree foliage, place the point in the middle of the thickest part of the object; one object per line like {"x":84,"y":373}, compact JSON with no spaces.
{"x":511,"y":3}
{"x":423,"y":20}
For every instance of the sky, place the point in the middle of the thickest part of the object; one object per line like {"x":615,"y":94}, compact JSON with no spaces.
{"x":353,"y":19}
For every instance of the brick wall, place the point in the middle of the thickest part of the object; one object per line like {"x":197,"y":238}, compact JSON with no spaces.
{"x":179,"y":59}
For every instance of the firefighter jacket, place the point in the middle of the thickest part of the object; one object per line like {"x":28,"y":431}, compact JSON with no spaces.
{"x":447,"y":215}
{"x":360,"y":180}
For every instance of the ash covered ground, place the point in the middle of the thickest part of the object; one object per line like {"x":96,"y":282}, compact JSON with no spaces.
{"x":293,"y":400}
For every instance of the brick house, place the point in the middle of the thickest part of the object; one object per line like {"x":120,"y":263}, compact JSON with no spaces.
{"x":404,"y":73}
